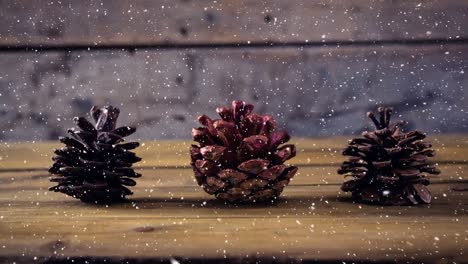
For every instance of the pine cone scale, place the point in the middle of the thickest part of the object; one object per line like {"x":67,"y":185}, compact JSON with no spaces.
{"x":254,"y":166}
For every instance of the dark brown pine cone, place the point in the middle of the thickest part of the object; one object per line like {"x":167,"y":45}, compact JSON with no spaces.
{"x":95,"y":166}
{"x":239,"y":158}
{"x":388,"y":166}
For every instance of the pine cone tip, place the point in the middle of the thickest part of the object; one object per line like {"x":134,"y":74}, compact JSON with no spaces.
{"x":385,"y":114}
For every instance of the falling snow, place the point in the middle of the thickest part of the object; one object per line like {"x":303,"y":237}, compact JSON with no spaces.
{"x":315,"y":67}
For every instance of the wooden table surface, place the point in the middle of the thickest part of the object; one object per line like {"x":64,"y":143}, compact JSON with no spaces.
{"x":170,"y":216}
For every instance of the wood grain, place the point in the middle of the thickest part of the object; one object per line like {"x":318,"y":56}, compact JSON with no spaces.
{"x":174,"y":153}
{"x":306,"y":223}
{"x":169,"y":215}
{"x":371,"y":238}
{"x":123,"y":22}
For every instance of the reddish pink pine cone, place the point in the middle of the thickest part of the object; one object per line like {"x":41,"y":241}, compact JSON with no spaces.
{"x":240,"y":157}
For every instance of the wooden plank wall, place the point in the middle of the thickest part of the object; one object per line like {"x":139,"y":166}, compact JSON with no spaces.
{"x":318,"y":66}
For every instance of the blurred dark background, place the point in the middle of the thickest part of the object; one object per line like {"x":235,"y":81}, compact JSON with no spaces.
{"x":317,"y":66}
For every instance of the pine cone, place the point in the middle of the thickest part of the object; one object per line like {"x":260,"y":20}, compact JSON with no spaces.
{"x":240,"y":158}
{"x":95,"y":165}
{"x":388,"y":166}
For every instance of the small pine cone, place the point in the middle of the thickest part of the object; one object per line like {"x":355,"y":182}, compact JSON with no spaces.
{"x":95,"y":166}
{"x":388,"y":166}
{"x":239,"y":157}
